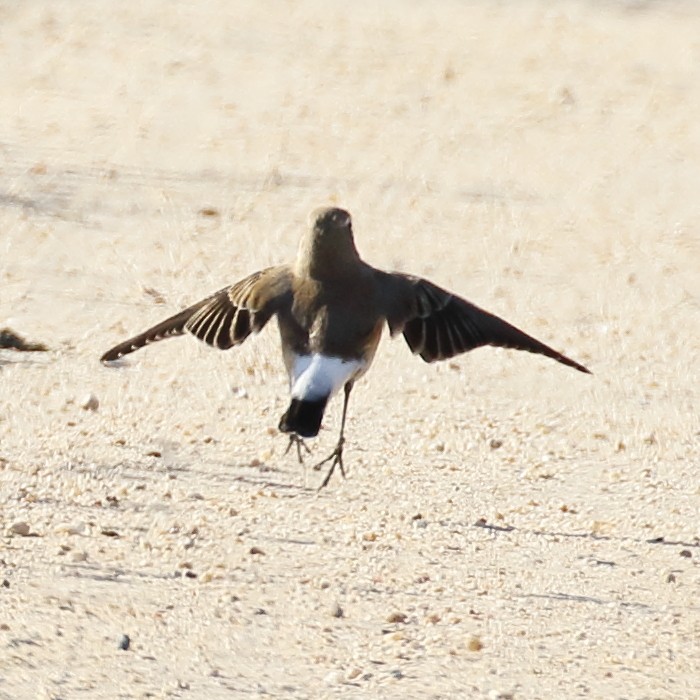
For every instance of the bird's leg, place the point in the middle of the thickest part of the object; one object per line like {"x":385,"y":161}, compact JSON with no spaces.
{"x":294,"y":439}
{"x":337,"y":455}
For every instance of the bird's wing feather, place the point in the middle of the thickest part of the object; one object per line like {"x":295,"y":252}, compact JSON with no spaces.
{"x":224,"y":319}
{"x":438,"y":325}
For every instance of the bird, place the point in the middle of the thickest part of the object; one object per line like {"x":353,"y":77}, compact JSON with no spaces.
{"x":331,"y":307}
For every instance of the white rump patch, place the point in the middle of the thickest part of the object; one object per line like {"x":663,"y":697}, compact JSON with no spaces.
{"x":318,"y":376}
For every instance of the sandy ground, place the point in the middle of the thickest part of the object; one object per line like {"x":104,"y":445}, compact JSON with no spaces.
{"x":509,"y":528}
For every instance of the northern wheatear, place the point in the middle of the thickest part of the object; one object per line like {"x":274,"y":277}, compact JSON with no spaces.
{"x":331,"y":308}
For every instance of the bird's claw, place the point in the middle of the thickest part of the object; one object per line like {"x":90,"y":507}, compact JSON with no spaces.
{"x":337,"y":460}
{"x":294,"y":439}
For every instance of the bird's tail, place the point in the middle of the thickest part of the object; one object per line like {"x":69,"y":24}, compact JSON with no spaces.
{"x":303,"y":417}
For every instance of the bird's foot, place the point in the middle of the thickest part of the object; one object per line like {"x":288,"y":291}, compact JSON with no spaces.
{"x":337,"y":460}
{"x":294,"y":439}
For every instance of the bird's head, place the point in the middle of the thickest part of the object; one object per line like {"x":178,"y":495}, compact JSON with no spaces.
{"x":328,"y":247}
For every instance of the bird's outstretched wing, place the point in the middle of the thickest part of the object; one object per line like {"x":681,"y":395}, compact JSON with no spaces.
{"x":224,"y":319}
{"x":438,"y":325}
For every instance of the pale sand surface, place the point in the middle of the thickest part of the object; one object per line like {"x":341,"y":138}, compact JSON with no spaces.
{"x":542,"y":159}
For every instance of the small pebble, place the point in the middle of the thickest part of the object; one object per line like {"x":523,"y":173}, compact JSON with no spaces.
{"x":20,"y":528}
{"x":90,"y":402}
{"x":124,"y":642}
{"x":336,"y":610}
{"x":397,"y":617}
{"x":79,"y":528}
{"x":333,"y":678}
{"x":686,"y":553}
{"x":475,"y":644}
{"x":157,"y":297}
